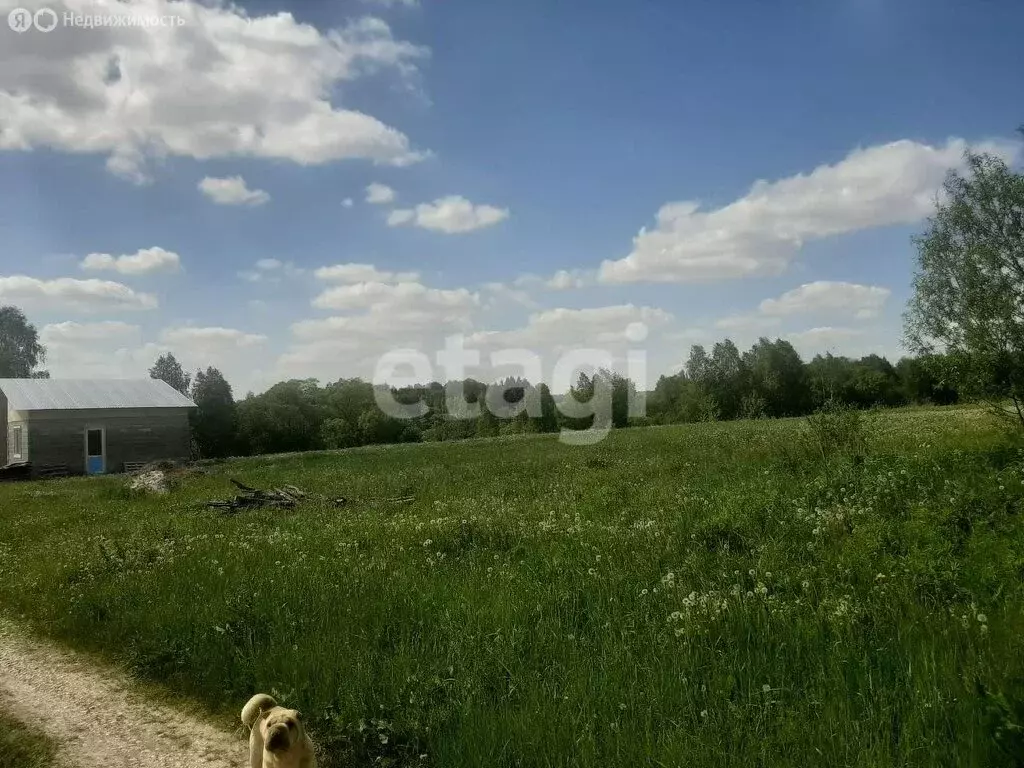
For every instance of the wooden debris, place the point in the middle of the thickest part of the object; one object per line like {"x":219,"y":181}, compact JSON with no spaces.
{"x":285,"y":497}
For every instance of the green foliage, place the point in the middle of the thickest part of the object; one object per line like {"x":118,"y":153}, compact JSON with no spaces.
{"x":836,"y":429}
{"x":167,"y":368}
{"x":24,"y":747}
{"x":214,"y":421}
{"x":969,"y":283}
{"x":678,"y":596}
{"x":20,"y":350}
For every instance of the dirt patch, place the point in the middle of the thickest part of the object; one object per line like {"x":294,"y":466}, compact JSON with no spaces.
{"x":97,"y":716}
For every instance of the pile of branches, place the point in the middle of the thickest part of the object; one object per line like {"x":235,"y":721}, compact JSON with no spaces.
{"x":285,"y":497}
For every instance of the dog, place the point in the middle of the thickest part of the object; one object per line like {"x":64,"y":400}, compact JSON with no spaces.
{"x":277,"y":737}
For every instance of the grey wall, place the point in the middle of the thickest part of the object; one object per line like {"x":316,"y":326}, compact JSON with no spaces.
{"x":3,"y":429}
{"x":138,"y":434}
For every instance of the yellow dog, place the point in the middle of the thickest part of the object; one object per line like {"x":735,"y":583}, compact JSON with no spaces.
{"x":277,"y":738}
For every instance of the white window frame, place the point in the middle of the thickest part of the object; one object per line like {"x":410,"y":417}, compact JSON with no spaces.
{"x":17,"y":442}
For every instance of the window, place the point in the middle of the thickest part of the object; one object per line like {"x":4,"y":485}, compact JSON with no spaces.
{"x":16,"y":447}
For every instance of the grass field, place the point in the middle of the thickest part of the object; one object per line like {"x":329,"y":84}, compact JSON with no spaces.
{"x":22,"y":747}
{"x":732,"y":594}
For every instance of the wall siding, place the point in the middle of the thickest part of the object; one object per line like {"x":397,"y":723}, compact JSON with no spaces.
{"x":4,"y":455}
{"x":58,"y":437}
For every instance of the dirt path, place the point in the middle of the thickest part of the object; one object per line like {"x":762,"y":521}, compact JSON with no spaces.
{"x":97,"y":717}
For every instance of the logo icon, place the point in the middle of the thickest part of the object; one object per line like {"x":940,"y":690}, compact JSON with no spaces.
{"x":20,"y":20}
{"x":45,"y":19}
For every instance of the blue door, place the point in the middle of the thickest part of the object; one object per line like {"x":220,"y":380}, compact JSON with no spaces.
{"x":95,"y":461}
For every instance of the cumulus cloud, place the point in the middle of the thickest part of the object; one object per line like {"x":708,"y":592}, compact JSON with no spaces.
{"x":271,"y":271}
{"x":143,"y":262}
{"x":211,"y":338}
{"x":220,"y":84}
{"x":72,"y":333}
{"x":392,"y":3}
{"x":68,"y":293}
{"x":363,"y":273}
{"x":823,"y":339}
{"x":373,"y":318}
{"x":452,"y":215}
{"x":100,"y":349}
{"x":378,"y":194}
{"x":561,"y":329}
{"x":760,"y":233}
{"x":232,"y":190}
{"x":743,"y":323}
{"x":348,"y":202}
{"x":405,"y":299}
{"x":862,"y":301}
{"x":565,"y":279}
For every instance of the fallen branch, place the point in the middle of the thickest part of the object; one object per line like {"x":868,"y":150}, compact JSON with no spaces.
{"x":285,"y":497}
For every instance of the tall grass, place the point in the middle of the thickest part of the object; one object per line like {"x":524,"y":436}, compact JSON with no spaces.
{"x":714,"y":594}
{"x":24,"y":747}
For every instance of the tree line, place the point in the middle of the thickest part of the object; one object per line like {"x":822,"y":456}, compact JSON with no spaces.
{"x":770,"y":380}
{"x":964,"y":326}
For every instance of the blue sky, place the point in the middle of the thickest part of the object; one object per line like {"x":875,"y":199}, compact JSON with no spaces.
{"x":176,"y":184}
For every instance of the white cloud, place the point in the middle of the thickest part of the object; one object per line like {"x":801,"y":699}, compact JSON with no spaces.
{"x":452,"y":215}
{"x":557,"y":330}
{"x":378,"y":317}
{"x":760,"y":233}
{"x":392,"y":3}
{"x":824,"y":339}
{"x":502,"y":292}
{"x":823,"y":296}
{"x":378,"y":194}
{"x":407,"y":299}
{"x":363,"y":273}
{"x":211,"y":338}
{"x":72,"y":333}
{"x":143,"y":262}
{"x":564,"y":279}
{"x":232,"y":190}
{"x":348,"y":202}
{"x":68,"y":293}
{"x":221,"y":84}
{"x":271,"y":271}
{"x":744,"y":323}
{"x":91,"y":350}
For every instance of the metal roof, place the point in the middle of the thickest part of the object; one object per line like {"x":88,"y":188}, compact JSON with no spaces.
{"x":77,"y":394}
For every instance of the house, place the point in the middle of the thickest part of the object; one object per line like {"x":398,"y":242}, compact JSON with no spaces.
{"x":92,"y":426}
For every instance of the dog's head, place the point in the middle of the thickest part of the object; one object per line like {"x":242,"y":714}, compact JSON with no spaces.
{"x":281,"y":728}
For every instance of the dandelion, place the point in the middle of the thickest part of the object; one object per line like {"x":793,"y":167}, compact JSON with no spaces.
{"x":982,"y":618}
{"x":703,"y":713}
{"x":766,"y":688}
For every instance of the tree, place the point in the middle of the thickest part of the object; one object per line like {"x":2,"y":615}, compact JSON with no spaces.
{"x":20,"y":350}
{"x":167,"y":368}
{"x":778,"y":379}
{"x":548,"y":421}
{"x":214,"y":421}
{"x":969,"y":284}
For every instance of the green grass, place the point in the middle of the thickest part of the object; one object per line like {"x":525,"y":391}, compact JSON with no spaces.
{"x":704,"y":595}
{"x":22,"y":747}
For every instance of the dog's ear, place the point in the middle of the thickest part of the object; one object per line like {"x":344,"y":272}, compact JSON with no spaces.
{"x":298,"y":715}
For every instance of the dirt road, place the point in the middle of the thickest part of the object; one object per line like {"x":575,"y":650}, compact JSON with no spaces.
{"x":96,"y":715}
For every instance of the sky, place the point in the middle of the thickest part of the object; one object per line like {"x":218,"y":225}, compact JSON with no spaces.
{"x":293,"y":190}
